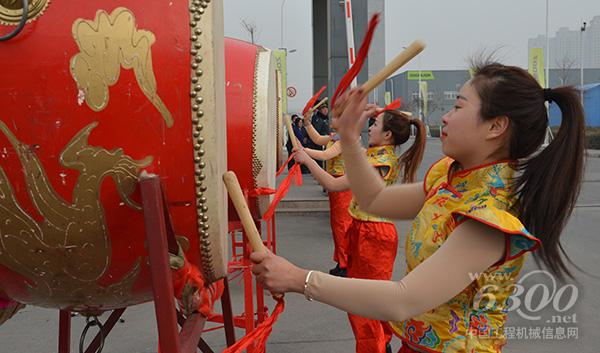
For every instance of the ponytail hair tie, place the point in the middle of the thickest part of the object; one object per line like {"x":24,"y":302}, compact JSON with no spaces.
{"x":547,"y":95}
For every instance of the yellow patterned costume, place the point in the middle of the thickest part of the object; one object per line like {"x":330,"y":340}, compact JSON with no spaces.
{"x":335,"y":166}
{"x":472,"y":321}
{"x":385,"y":159}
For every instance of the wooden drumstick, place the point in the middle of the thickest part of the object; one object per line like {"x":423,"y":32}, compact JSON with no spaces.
{"x":405,"y":56}
{"x":323,"y":101}
{"x":239,"y":202}
{"x":291,"y":133}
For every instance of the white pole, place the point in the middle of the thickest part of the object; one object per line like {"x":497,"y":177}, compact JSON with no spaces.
{"x":547,"y":47}
{"x":281,"y":28}
{"x":581,"y":54}
{"x":549,"y":137}
{"x":350,"y":36}
{"x":420,"y":93}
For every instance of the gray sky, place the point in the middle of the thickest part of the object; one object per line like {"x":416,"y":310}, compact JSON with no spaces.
{"x":452,"y":30}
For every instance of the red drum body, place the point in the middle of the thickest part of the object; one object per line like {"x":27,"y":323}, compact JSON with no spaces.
{"x":93,"y":93}
{"x":252,"y":121}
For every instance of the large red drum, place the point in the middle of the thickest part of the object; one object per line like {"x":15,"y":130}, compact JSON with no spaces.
{"x":92,"y":93}
{"x":252,"y":121}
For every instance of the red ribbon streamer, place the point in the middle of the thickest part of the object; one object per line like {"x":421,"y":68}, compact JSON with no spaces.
{"x":360,"y":59}
{"x":282,"y":168}
{"x":260,"y":334}
{"x":312,"y":101}
{"x":190,"y":274}
{"x":295,"y":174}
{"x":262,"y":192}
{"x":397,"y":103}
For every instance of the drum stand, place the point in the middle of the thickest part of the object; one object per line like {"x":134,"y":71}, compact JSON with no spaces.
{"x":161,"y":242}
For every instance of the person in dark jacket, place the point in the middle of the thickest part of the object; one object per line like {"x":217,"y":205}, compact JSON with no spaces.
{"x":301,"y":135}
{"x":320,"y":121}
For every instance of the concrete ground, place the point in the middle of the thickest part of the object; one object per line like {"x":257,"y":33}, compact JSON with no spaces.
{"x":305,"y":239}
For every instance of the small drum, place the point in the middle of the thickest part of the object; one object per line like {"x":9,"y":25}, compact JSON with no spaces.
{"x":90,"y":96}
{"x":252,"y":121}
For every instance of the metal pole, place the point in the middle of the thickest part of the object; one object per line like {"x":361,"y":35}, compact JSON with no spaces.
{"x":549,"y":137}
{"x":581,"y":57}
{"x":350,"y":37}
{"x":281,"y":28}
{"x":547,"y":47}
{"x":420,"y":93}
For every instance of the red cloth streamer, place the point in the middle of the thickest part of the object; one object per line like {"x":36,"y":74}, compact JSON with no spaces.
{"x":295,"y":174}
{"x":260,"y":334}
{"x":397,"y":103}
{"x":190,"y":274}
{"x":360,"y":59}
{"x":282,"y":168}
{"x":312,"y":101}
{"x":262,"y":191}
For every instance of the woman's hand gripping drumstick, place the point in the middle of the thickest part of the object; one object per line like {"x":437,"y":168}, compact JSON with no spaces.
{"x":274,"y":272}
{"x":291,"y":134}
{"x":405,"y":56}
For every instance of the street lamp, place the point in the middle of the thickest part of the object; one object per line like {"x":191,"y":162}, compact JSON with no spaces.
{"x":547,"y":47}
{"x":281,"y":28}
{"x":581,"y":54}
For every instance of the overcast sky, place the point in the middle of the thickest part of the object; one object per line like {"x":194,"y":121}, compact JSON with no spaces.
{"x":452,"y":30}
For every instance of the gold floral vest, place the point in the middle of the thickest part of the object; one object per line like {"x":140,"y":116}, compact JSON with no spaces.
{"x":466,"y":323}
{"x":335,"y":166}
{"x":380,"y":157}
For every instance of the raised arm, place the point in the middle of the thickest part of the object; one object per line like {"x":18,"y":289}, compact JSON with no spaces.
{"x":313,"y":134}
{"x":329,"y":153}
{"x":471,"y":248}
{"x":325,"y":179}
{"x":400,"y":201}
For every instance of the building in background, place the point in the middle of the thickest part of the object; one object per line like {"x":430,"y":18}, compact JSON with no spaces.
{"x":591,"y":106}
{"x":330,"y":57}
{"x":443,"y":86}
{"x":565,"y":46}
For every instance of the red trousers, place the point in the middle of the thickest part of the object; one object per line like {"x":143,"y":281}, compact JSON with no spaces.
{"x":372,"y":251}
{"x":406,"y":349}
{"x":340,"y":221}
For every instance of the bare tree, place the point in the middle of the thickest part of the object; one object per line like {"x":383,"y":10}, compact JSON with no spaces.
{"x":252,"y":30}
{"x":564,"y":66}
{"x":435,"y":102}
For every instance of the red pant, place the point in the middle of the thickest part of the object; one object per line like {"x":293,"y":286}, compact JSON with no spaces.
{"x":372,"y":251}
{"x":406,"y":349}
{"x":340,"y":221}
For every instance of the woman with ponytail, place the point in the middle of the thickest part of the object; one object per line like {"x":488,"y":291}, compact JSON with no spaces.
{"x":494,"y":197}
{"x":373,"y":240}
{"x":339,"y":201}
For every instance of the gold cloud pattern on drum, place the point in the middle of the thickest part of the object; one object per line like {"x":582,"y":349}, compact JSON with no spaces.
{"x":65,"y":255}
{"x":106,"y":44}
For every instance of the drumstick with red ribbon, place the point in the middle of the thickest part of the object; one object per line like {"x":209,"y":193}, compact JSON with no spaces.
{"x":261,"y":333}
{"x":405,"y":56}
{"x":323,"y":101}
{"x":295,"y":143}
{"x":312,"y":100}
{"x":239,"y":202}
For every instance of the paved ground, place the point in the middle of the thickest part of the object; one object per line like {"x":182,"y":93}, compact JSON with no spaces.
{"x":312,"y":327}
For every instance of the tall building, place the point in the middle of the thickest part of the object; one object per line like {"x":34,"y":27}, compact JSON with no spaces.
{"x":330,"y":54}
{"x":565,"y":46}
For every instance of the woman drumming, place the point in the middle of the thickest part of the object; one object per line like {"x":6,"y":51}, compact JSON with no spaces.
{"x":372,"y":240}
{"x":472,"y":214}
{"x":339,"y":201}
